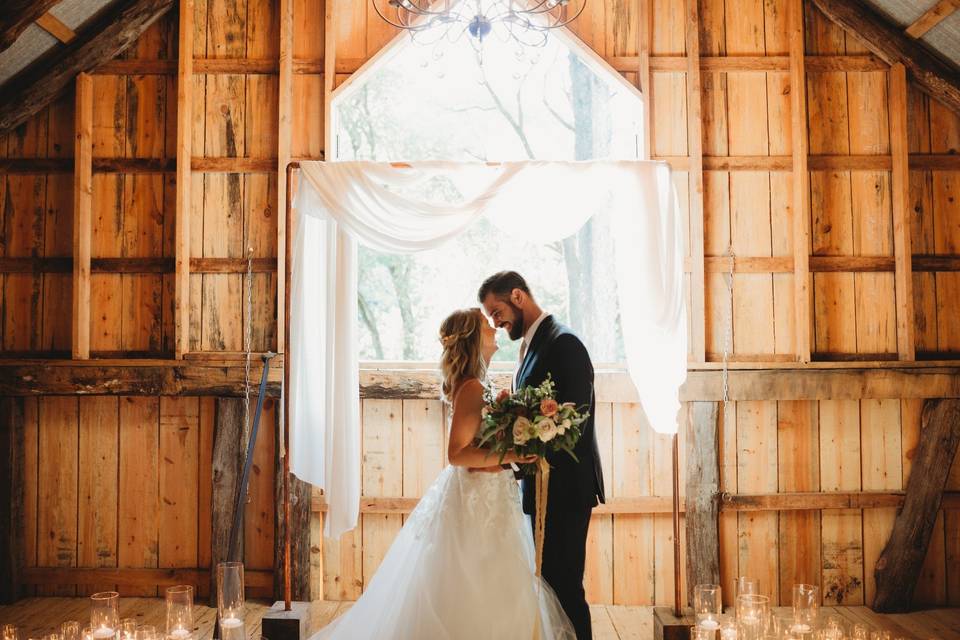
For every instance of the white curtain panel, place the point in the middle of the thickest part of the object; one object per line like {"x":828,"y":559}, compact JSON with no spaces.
{"x":341,"y":203}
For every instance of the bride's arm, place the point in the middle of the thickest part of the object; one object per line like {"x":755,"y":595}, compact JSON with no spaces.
{"x":463,"y":429}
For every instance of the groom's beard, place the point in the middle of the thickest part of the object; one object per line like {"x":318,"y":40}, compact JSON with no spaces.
{"x":517,"y":326}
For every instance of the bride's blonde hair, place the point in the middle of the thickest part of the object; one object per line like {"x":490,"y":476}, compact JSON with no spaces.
{"x":460,"y":336}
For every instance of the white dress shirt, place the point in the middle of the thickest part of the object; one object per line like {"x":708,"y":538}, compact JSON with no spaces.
{"x":528,"y":337}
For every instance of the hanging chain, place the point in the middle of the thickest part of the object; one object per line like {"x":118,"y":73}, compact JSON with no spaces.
{"x":728,"y":332}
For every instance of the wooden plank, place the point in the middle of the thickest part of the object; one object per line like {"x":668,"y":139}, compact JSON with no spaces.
{"x":112,"y":32}
{"x":330,"y":36}
{"x":695,"y":178}
{"x":228,"y":454}
{"x":798,"y":450}
{"x":631,"y":473}
{"x":284,"y":150}
{"x":179,"y":482}
{"x":900,"y":562}
{"x":132,"y":579}
{"x":139,"y":488}
{"x":599,"y":569}
{"x":299,"y":533}
{"x":185,"y":85}
{"x":53,"y":25}
{"x":702,"y":491}
{"x":931,"y":18}
{"x":12,"y":511}
{"x":31,"y":473}
{"x":207,"y":429}
{"x":259,"y":525}
{"x":382,"y":474}
{"x":900,"y":179}
{"x":842,"y":535}
{"x":98,"y":486}
{"x":800,"y":199}
{"x":57,"y":486}
{"x":880,"y":433}
{"x":757,"y":471}
{"x":932,"y":75}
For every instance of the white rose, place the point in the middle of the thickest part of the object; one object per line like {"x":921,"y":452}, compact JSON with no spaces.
{"x":566,"y":424}
{"x":548,"y":429}
{"x":521,"y":430}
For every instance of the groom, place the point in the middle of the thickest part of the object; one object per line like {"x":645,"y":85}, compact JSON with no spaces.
{"x":575,"y":487}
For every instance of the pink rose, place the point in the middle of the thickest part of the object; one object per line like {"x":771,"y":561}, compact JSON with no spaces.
{"x":503,"y":395}
{"x":548,"y":407}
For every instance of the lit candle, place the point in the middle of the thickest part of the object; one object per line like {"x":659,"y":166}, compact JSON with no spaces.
{"x":104,"y":632}
{"x":710,"y":624}
{"x":180,"y":633}
{"x":230,"y":623}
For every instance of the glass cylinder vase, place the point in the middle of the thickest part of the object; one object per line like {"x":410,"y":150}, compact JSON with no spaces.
{"x":230,"y":600}
{"x":105,"y":615}
{"x":179,"y":612}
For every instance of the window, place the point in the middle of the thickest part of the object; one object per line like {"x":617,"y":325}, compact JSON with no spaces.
{"x":557,"y":102}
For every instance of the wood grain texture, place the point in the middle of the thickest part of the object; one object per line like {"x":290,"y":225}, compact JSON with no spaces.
{"x":112,"y":32}
{"x":185,"y":100}
{"x":702,"y":505}
{"x":12,"y":529}
{"x":19,"y":15}
{"x":227,"y":468}
{"x":83,"y":209}
{"x":899,"y":564}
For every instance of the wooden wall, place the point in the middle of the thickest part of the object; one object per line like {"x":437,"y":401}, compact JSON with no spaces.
{"x":125,"y":483}
{"x":722,"y":84}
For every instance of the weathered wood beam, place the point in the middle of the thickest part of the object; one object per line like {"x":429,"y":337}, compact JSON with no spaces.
{"x":131,"y":577}
{"x":901,"y":561}
{"x":300,"y":508}
{"x":181,"y":307}
{"x":228,"y":453}
{"x":116,"y":30}
{"x":58,"y":378}
{"x":12,"y":463}
{"x":703,"y":496}
{"x":900,"y":186}
{"x":800,"y":195}
{"x":726,"y":502}
{"x":52,"y":25}
{"x":18,"y":15}
{"x":932,"y":17}
{"x":807,"y":501}
{"x":695,"y":179}
{"x":825,"y":384}
{"x":82,"y":216}
{"x":284,"y":152}
{"x":933,"y":76}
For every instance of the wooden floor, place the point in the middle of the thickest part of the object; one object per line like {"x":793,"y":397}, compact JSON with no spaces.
{"x":36,"y":616}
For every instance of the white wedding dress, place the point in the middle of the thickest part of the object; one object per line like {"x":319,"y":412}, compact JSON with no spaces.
{"x":461,"y":568}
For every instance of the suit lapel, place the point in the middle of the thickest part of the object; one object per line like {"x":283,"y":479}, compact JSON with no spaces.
{"x":545,"y":329}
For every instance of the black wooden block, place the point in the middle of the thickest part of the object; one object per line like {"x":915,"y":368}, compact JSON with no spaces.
{"x":667,"y":626}
{"x":287,"y":625}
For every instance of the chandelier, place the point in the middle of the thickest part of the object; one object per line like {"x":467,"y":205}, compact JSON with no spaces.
{"x":436,"y":20}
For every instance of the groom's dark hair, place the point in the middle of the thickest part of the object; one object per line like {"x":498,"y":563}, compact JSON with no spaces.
{"x":501,"y":284}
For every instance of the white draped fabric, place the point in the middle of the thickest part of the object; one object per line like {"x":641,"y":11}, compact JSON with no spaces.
{"x":341,"y":203}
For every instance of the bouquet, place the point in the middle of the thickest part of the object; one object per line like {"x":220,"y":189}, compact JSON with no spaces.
{"x":530,"y":421}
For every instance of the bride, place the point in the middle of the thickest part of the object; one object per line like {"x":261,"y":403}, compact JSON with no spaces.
{"x":462,"y":566}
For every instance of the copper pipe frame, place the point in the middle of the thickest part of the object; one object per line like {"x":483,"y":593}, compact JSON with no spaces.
{"x":676,"y":527}
{"x":287,"y":266}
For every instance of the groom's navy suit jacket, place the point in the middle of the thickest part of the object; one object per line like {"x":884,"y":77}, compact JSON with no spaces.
{"x":556,"y":350}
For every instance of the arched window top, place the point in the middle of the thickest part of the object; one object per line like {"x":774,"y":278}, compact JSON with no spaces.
{"x":557,"y":102}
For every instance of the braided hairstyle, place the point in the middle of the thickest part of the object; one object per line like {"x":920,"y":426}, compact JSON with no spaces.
{"x":460,"y":336}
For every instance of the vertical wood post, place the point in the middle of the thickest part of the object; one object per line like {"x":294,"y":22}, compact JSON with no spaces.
{"x":12,"y":464}
{"x":284,"y":142}
{"x":82,"y":216}
{"x":800,"y":197}
{"x":644,"y":78}
{"x":899,"y":565}
{"x":702,"y":501}
{"x":181,"y":310}
{"x":228,"y":453}
{"x":900,"y":179}
{"x":695,"y":180}
{"x":299,"y":567}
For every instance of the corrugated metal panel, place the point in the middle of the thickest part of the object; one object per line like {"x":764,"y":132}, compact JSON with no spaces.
{"x":902,"y":12}
{"x":74,"y":13}
{"x":945,"y":38}
{"x":31,"y":44}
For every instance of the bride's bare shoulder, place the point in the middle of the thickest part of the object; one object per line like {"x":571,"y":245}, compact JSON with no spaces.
{"x":469,"y":389}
